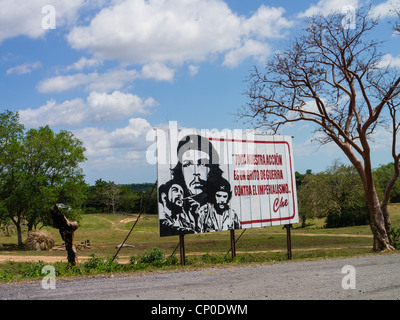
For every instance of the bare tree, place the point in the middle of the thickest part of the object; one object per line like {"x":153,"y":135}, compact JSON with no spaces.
{"x":112,"y":193}
{"x":333,"y":77}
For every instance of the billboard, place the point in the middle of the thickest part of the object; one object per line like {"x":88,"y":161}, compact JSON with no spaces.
{"x":222,"y":180}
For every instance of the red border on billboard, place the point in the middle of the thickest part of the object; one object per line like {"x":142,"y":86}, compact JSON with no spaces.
{"x":291,"y":176}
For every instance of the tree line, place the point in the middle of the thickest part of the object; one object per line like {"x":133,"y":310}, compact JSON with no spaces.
{"x":337,"y":194}
{"x":109,"y":197}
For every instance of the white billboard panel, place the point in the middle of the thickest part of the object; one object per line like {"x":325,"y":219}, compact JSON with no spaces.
{"x":213,"y":181}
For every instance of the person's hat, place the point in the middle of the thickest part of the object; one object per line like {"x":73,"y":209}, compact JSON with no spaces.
{"x":197,"y":142}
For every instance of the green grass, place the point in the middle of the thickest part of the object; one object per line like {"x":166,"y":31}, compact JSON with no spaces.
{"x":261,"y":245}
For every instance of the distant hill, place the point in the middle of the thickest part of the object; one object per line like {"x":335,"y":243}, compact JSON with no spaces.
{"x":138,"y":187}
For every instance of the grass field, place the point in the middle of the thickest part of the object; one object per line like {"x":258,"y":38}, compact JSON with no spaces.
{"x":106,"y":231}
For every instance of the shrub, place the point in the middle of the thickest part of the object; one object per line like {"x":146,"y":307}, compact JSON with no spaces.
{"x":32,"y":270}
{"x":171,"y":261}
{"x":155,"y":256}
{"x":133,"y":260}
{"x":395,"y":237}
{"x":336,"y":194}
{"x":6,"y":275}
{"x":356,"y":215}
{"x":93,"y":263}
{"x":207,"y":258}
{"x":99,"y":264}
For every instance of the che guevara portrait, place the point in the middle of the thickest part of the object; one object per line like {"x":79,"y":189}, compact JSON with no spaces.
{"x":195,"y":197}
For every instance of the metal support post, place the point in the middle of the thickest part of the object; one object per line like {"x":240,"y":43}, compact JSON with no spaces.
{"x":233,"y":244}
{"x":289,"y":241}
{"x":182,"y":248}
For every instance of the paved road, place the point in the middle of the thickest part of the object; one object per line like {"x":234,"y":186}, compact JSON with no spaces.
{"x":376,"y":277}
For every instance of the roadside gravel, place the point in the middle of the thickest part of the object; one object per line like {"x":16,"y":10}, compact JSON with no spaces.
{"x":376,"y":277}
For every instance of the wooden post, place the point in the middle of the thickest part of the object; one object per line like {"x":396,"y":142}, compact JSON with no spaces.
{"x":233,"y":244}
{"x":67,"y":230}
{"x":182,"y":248}
{"x":289,"y":241}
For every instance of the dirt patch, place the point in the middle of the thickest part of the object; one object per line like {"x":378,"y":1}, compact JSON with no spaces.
{"x":128,"y":220}
{"x":45,"y":259}
{"x":50,"y":259}
{"x":114,"y":225}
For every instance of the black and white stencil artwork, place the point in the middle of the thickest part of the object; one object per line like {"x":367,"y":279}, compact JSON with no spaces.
{"x":204,"y":183}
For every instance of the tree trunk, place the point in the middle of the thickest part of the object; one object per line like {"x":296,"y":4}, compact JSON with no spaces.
{"x":388,"y":222}
{"x":19,"y":233}
{"x":379,"y":216}
{"x":377,"y":223}
{"x":68,"y":236}
{"x":67,"y":230}
{"x":17,"y":224}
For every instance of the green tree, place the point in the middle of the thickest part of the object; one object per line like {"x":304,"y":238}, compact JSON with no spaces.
{"x":11,"y":133}
{"x":300,"y":177}
{"x":111,"y":197}
{"x":312,"y":197}
{"x":96,"y":201}
{"x":150,"y":202}
{"x":383,"y":175}
{"x":127,"y":199}
{"x":45,"y":170}
{"x":336,"y":194}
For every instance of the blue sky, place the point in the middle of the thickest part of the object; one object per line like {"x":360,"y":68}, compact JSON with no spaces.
{"x":111,"y":70}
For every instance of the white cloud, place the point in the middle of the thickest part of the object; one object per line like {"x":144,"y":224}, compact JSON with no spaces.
{"x":267,"y":22}
{"x":253,"y":48}
{"x":111,"y":80}
{"x":389,"y":61}
{"x":157,"y":71}
{"x":311,"y":146}
{"x":84,"y":63}
{"x":119,"y":153}
{"x":62,"y":83}
{"x":174,"y":31}
{"x":325,"y":7}
{"x":24,"y":68}
{"x":129,"y":140}
{"x":193,"y":70}
{"x":386,"y":9}
{"x":22,"y":17}
{"x":99,"y":107}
